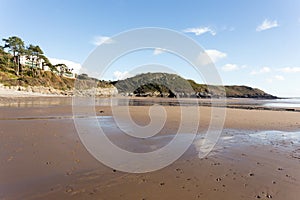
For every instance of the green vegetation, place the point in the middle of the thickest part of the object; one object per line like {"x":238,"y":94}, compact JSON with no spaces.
{"x":13,"y":73}
{"x":42,"y":78}
{"x":35,"y":58}
{"x":100,"y":83}
{"x":5,"y":61}
{"x":15,"y":45}
{"x":170,"y":85}
{"x":162,"y":83}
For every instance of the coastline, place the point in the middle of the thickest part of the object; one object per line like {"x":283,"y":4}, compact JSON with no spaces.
{"x":42,"y":156}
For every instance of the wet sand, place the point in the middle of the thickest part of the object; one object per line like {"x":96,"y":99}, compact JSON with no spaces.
{"x":42,"y":157}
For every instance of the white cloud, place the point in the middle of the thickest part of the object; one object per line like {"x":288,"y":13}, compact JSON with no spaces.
{"x":230,"y":67}
{"x":227,"y":28}
{"x":279,"y":78}
{"x":215,"y":55}
{"x":289,"y":69}
{"x":269,"y":80}
{"x":275,"y":78}
{"x":97,"y":40}
{"x":211,"y":56}
{"x":267,"y":24}
{"x":70,"y":64}
{"x":158,"y":51}
{"x":121,"y":75}
{"x":261,"y":71}
{"x":200,"y":30}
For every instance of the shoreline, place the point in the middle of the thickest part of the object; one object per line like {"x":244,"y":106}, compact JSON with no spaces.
{"x":42,"y":156}
{"x":20,"y":97}
{"x":231,"y":171}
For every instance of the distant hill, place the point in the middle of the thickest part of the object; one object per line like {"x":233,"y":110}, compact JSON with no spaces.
{"x":172,"y":85}
{"x":149,"y":84}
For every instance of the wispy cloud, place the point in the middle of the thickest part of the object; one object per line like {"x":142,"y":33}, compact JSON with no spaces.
{"x":230,"y":67}
{"x":261,"y":71}
{"x":121,"y":75}
{"x":267,"y":24}
{"x":70,"y":64}
{"x":215,"y":55}
{"x":97,"y":40}
{"x":275,"y":78}
{"x":200,"y":30}
{"x":279,"y":78}
{"x":211,"y":56}
{"x":227,"y":28}
{"x":289,"y":69}
{"x":158,"y":51}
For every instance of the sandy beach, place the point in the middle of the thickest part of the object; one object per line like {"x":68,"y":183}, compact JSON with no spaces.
{"x":42,"y":157}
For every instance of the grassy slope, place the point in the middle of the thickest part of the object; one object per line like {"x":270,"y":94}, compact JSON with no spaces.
{"x":35,"y":77}
{"x":162,"y":82}
{"x":42,"y":78}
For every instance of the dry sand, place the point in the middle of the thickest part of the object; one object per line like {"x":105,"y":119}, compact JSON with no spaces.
{"x":42,"y":157}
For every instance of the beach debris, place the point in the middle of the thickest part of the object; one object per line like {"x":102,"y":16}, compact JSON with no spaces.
{"x":144,"y":180}
{"x":68,"y":173}
{"x":216,"y":163}
{"x":101,"y":111}
{"x":269,"y":196}
{"x":179,"y":170}
{"x":162,"y":183}
{"x":69,"y":189}
{"x":218,"y":179}
{"x":114,"y":170}
{"x":258,"y":197}
{"x":48,"y":163}
{"x":280,"y":169}
{"x":251,"y":174}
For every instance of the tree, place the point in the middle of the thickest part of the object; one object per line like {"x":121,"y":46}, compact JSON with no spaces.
{"x":16,"y":47}
{"x":34,"y":53}
{"x":29,"y":52}
{"x":48,"y":63}
{"x":4,"y":60}
{"x":62,"y":68}
{"x":38,"y":53}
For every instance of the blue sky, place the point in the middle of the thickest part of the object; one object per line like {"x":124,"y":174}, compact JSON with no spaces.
{"x":255,"y":43}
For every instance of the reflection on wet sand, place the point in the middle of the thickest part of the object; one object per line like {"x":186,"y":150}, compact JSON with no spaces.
{"x":42,"y":157}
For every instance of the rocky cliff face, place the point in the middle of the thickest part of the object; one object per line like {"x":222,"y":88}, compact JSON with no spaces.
{"x":48,"y":83}
{"x":99,"y":92}
{"x":105,"y":92}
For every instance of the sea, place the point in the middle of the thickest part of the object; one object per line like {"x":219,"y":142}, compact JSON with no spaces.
{"x":283,"y":103}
